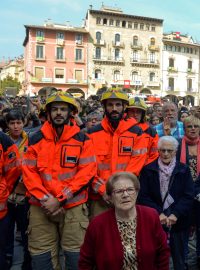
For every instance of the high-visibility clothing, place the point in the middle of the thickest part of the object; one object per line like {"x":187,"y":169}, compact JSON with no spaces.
{"x":123,"y":149}
{"x":152,"y":138}
{"x":10,"y":170}
{"x":61,"y":168}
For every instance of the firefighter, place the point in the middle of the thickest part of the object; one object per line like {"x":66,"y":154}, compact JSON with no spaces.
{"x":118,"y":144}
{"x":10,"y":170}
{"x":137,"y":109}
{"x":57,"y":168}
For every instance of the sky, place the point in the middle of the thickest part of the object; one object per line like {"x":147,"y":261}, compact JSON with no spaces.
{"x":178,"y":15}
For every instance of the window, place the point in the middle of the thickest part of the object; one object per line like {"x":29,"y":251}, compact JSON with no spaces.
{"x":117,"y":38}
{"x":124,"y":24}
{"x":98,"y":21}
{"x":152,"y":57}
{"x":117,"y":22}
{"x":116,"y":75}
{"x":39,"y":73}
{"x":129,"y":24}
{"x":39,"y":33}
{"x":78,"y":75}
{"x":189,"y":85}
{"x":59,"y":73}
{"x":59,"y":35}
{"x":111,"y":22}
{"x":190,"y":64}
{"x":79,"y":38}
{"x":152,"y":77}
{"x":39,"y":52}
{"x":152,"y":41}
{"x":98,"y":53}
{"x":59,"y":53}
{"x":98,"y":36}
{"x":117,"y":54}
{"x":141,"y":26}
{"x":97,"y":74}
{"x":134,"y":76}
{"x":135,"y":40}
{"x":105,"y":21}
{"x":171,"y":62}
{"x":153,"y":28}
{"x":135,"y":25}
{"x":135,"y":56}
{"x":147,"y":27}
{"x":78,"y":56}
{"x":171,"y":84}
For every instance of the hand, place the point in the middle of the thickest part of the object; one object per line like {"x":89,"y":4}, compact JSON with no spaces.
{"x":163,"y":219}
{"x":166,"y":126}
{"x":77,"y":119}
{"x":51,"y":205}
{"x":60,"y":210}
{"x":171,"y":220}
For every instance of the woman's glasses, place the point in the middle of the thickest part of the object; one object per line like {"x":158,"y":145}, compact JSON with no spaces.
{"x":120,"y":192}
{"x":166,"y":150}
{"x":192,"y":126}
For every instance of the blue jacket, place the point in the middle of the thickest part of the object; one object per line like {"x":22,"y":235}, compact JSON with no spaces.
{"x":181,"y":190}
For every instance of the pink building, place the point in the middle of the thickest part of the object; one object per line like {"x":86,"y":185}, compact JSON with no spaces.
{"x":56,"y":56}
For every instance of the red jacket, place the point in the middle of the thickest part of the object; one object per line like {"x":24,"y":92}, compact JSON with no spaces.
{"x":10,"y":170}
{"x":102,"y":248}
{"x":123,"y":149}
{"x":152,"y":142}
{"x":61,"y":168}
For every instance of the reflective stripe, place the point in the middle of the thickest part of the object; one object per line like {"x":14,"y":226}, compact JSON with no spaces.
{"x":35,"y":200}
{"x":46,"y":176}
{"x":12,"y":165}
{"x":67,"y":192}
{"x":98,"y":184}
{"x":154,"y":149}
{"x":29,"y":162}
{"x":121,"y":166}
{"x":103,"y":166}
{"x":139,"y":151}
{"x":3,"y":206}
{"x":67,"y":175}
{"x":77,"y":198}
{"x":87,"y":160}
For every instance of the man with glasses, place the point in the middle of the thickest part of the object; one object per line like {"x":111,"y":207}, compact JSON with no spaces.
{"x":170,"y":125}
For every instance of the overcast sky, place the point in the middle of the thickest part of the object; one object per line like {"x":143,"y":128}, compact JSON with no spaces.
{"x":179,"y":16}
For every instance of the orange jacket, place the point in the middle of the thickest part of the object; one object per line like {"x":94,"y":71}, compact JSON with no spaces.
{"x":122,"y":149}
{"x":61,"y":168}
{"x":10,"y":170}
{"x":152,"y":142}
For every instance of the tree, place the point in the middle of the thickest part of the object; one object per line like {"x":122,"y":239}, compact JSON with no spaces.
{"x":9,"y":81}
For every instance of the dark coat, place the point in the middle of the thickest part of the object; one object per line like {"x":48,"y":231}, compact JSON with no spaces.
{"x":181,"y":190}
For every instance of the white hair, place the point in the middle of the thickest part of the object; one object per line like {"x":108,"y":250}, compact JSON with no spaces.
{"x":168,"y":139}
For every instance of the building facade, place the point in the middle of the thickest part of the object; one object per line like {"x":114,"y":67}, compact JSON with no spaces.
{"x":125,"y":50}
{"x":56,"y":55}
{"x":180,"y":70}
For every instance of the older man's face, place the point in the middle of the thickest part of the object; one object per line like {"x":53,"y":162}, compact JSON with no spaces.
{"x":171,"y":113}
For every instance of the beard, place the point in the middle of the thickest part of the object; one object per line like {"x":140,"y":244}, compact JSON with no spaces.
{"x":114,"y":119}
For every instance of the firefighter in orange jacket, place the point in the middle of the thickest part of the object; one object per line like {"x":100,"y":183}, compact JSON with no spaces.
{"x":10,"y":170}
{"x":118,"y":146}
{"x":57,"y":169}
{"x":137,"y":109}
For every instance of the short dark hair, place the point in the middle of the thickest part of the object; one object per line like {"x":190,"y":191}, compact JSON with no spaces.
{"x":14,"y":115}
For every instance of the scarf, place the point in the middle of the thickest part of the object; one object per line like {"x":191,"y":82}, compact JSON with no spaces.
{"x":165,"y":172}
{"x":186,"y":140}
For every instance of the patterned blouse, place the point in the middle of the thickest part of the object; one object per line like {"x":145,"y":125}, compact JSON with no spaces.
{"x":127,"y":231}
{"x":193,"y":166}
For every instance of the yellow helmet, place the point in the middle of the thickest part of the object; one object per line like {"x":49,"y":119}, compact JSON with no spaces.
{"x":113,"y":93}
{"x":138,"y":103}
{"x":61,"y":96}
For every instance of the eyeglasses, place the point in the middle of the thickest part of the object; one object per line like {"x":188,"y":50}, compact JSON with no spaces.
{"x":192,"y":126}
{"x":166,"y":150}
{"x":120,"y":192}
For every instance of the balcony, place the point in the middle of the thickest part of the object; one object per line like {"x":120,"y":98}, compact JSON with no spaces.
{"x":172,"y":69}
{"x":79,"y":42}
{"x":144,"y":62}
{"x":136,"y":46}
{"x":40,"y":39}
{"x":60,"y":42}
{"x":80,"y":61}
{"x":191,"y":71}
{"x":118,"y":44}
{"x":99,"y":42}
{"x":154,"y":48}
{"x":96,"y":81}
{"x":109,"y":60}
{"x":153,"y":83}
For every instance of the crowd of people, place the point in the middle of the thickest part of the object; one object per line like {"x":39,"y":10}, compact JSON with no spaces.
{"x":104,"y":183}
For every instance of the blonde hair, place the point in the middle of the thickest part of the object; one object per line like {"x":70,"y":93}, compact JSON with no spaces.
{"x":192,"y":120}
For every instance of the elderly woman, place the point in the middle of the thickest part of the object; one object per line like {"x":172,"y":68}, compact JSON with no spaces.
{"x":126,"y":236}
{"x":167,"y":186}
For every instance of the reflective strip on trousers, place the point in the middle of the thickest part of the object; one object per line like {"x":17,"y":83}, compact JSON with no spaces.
{"x":29,"y":162}
{"x":98,"y":184}
{"x":103,"y":166}
{"x":87,"y":160}
{"x":67,"y":175}
{"x":140,"y":151}
{"x":121,"y":166}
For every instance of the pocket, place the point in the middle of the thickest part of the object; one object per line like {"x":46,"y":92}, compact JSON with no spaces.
{"x":70,"y":155}
{"x":126,"y":146}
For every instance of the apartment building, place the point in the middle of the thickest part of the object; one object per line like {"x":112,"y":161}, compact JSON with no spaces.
{"x":13,"y":68}
{"x":125,"y":50}
{"x":56,"y":55}
{"x":181,"y":61}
